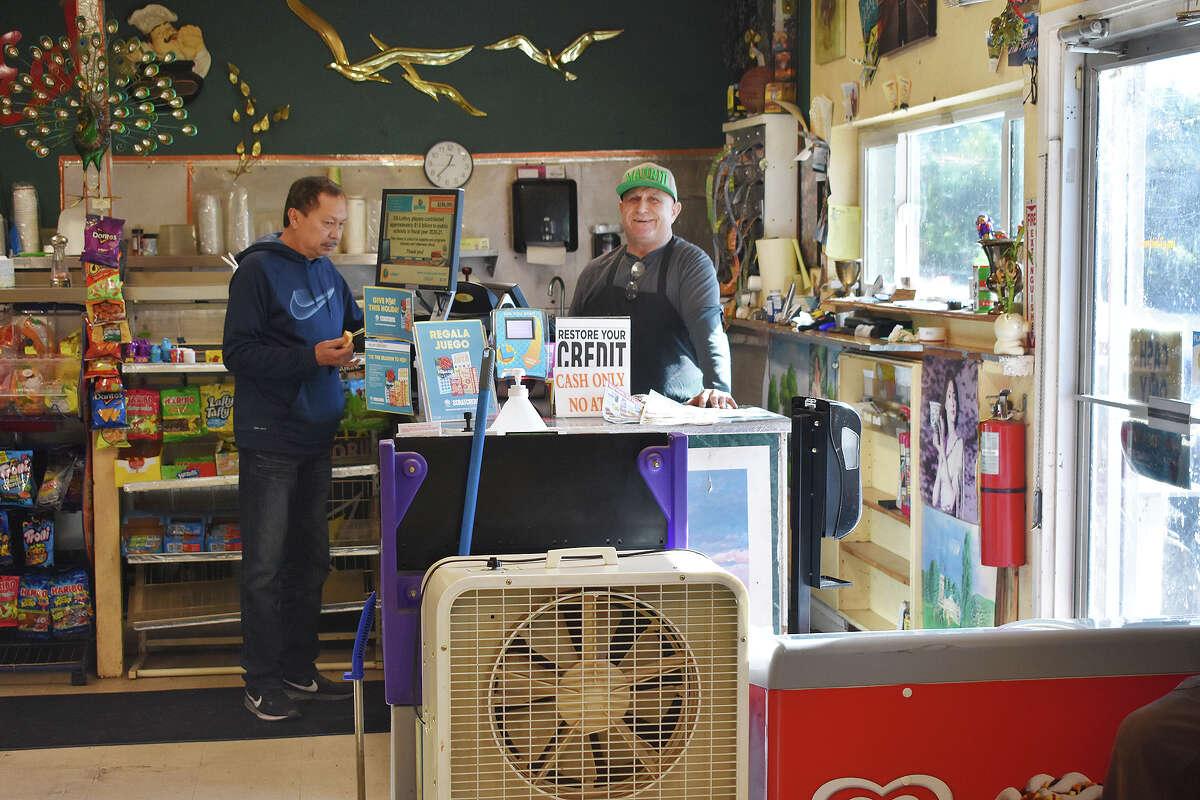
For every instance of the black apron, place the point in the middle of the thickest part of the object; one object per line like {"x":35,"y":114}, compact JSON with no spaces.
{"x":663,"y":356}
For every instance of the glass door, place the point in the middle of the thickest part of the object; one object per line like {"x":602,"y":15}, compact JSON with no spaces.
{"x":1139,"y":479}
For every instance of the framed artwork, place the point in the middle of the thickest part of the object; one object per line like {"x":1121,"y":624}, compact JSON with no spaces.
{"x":956,"y":590}
{"x":829,"y":30}
{"x":902,"y":22}
{"x":950,"y":436}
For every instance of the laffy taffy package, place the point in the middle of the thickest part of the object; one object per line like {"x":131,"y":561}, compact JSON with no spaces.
{"x":102,"y":240}
{"x":16,"y":478}
{"x":39,"y":542}
{"x":181,"y":414}
{"x":216,"y":404}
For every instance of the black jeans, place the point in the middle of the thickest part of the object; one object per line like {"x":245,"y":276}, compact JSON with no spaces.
{"x":285,"y":560}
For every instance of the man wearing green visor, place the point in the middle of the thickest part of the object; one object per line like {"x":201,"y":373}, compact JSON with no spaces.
{"x":668,"y":289}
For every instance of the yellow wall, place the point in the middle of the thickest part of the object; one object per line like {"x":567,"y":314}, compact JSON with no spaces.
{"x":952,"y":63}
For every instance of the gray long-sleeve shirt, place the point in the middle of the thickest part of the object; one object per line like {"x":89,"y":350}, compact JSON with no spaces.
{"x":692,"y":291}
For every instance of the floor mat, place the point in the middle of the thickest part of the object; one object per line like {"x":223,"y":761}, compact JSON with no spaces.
{"x":186,"y":715}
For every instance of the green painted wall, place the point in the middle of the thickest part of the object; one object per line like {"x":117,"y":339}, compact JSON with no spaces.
{"x":658,"y":85}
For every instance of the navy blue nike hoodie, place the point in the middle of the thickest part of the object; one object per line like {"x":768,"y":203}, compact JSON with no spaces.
{"x":280,"y":305}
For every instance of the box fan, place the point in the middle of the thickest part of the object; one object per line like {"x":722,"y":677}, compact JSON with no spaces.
{"x":581,"y":674}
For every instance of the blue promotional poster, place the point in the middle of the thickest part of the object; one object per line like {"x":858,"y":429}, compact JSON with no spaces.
{"x":388,"y":382}
{"x":449,"y":356}
{"x":389,"y":312}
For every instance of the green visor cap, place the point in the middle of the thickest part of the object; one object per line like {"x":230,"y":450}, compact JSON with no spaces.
{"x":651,"y":175}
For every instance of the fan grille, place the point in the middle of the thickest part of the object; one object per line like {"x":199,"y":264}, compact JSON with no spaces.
{"x":586,"y":693}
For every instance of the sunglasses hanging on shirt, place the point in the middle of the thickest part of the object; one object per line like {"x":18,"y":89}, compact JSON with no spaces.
{"x":635,"y":273}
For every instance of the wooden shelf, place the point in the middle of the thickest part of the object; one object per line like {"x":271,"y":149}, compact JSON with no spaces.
{"x":43,"y":294}
{"x":171,"y":368}
{"x":873,"y":499}
{"x":896,"y":310}
{"x":889,"y":563}
{"x":867,"y":620}
{"x":912,"y":351}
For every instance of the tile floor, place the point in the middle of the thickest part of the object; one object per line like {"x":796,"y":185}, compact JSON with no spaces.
{"x":300,"y":768}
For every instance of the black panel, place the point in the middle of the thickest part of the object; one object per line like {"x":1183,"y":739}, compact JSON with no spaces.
{"x":536,"y":493}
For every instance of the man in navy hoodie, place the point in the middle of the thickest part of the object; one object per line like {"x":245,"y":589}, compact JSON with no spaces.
{"x":288,"y":310}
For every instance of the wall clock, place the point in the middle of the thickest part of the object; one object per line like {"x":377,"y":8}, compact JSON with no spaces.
{"x":448,"y":165}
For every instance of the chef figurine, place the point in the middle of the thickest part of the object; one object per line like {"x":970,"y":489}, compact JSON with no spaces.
{"x":160,"y":37}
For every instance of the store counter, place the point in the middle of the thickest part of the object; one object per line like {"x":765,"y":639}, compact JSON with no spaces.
{"x":952,"y":714}
{"x":720,"y":489}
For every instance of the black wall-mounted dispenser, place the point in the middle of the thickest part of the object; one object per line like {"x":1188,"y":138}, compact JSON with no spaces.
{"x":545,"y":212}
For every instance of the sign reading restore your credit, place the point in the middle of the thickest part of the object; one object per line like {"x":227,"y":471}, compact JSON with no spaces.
{"x":589,"y":354}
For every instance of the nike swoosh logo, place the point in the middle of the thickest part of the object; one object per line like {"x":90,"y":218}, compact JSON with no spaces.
{"x":304,"y":305}
{"x":257,"y":701}
{"x":311,"y":687}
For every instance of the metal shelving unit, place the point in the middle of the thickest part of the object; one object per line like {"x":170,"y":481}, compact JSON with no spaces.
{"x":51,"y":656}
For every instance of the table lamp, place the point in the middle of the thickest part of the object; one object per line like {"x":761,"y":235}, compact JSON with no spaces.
{"x":844,"y":245}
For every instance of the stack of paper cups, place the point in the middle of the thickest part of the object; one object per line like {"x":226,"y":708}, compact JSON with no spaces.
{"x":355,"y":233}
{"x":208,"y":225}
{"x":25,"y":217}
{"x":239,"y":231}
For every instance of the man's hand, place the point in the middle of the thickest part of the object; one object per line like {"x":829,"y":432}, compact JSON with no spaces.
{"x":335,"y":352}
{"x":713,"y":398}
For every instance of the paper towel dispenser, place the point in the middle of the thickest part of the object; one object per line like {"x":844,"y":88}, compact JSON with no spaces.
{"x":545,"y":212}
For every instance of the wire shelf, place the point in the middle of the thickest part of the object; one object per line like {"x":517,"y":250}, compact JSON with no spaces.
{"x":52,"y":656}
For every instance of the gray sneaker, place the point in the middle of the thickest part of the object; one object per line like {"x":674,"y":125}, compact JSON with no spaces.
{"x":318,"y":687}
{"x":272,"y":705}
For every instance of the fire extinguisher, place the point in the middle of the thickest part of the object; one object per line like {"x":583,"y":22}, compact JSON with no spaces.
{"x":1002,"y":486}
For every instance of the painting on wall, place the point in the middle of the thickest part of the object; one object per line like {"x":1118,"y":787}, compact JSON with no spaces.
{"x":956,"y":590}
{"x":902,"y":22}
{"x":799,"y":368}
{"x":729,"y":519}
{"x":829,"y":30}
{"x":950,"y":436}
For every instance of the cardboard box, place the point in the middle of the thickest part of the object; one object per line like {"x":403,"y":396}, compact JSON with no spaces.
{"x":129,"y":470}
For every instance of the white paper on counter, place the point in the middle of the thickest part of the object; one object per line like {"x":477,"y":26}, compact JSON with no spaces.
{"x":552,"y":255}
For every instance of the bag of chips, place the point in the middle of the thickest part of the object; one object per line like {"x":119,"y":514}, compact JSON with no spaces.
{"x":181,"y":414}
{"x":39,"y":542}
{"x":33,"y":606}
{"x":10,"y":586}
{"x":102,"y":240}
{"x":16,"y":478}
{"x":108,"y":405}
{"x":6,"y":549}
{"x":141,"y":411}
{"x":216,"y":401}
{"x":70,"y":604}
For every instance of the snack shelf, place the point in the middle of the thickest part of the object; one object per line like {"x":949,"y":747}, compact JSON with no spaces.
{"x":353,"y":471}
{"x":185,"y":604}
{"x":170,"y":368}
{"x":236,"y":555}
{"x":53,"y":656}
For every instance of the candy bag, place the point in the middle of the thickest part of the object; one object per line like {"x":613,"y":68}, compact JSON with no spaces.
{"x":33,"y":606}
{"x":16,"y":478}
{"x":70,"y":604}
{"x":6,"y":553}
{"x":10,"y":586}
{"x":141,"y":411}
{"x":40,"y":333}
{"x":181,"y":414}
{"x":216,"y":402}
{"x":39,"y":542}
{"x":102,"y":240}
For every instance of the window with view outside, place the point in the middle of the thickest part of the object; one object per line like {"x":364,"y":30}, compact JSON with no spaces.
{"x":924,"y":191}
{"x":1144,"y":531}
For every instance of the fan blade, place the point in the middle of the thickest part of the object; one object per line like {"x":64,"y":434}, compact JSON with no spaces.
{"x":549,"y":754}
{"x":518,"y":688}
{"x":529,"y":734}
{"x":654,"y":669}
{"x":573,"y":761}
{"x":549,"y":637}
{"x":616,"y":761}
{"x":648,"y":647}
{"x":650,"y":758}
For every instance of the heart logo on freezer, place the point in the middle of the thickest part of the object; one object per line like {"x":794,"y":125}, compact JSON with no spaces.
{"x":908,"y":787}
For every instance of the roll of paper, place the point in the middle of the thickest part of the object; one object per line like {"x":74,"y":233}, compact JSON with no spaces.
{"x":776,"y":264}
{"x":25,"y":217}
{"x":208,"y":225}
{"x":354,"y":235}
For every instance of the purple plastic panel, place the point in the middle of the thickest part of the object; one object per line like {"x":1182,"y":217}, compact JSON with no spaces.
{"x":664,"y":469}
{"x":400,"y":477}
